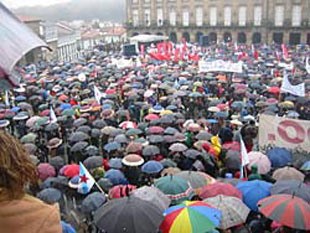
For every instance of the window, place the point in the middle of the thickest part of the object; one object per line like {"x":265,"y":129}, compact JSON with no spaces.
{"x":242,"y":16}
{"x":160,"y":20}
{"x":172,"y":18}
{"x":296,"y":16}
{"x":257,"y":16}
{"x":185,"y":18}
{"x":279,"y":16}
{"x":227,"y":16}
{"x":213,"y":14}
{"x":146,"y":1}
{"x":199,"y":16}
{"x":135,"y":18}
{"x":134,"y":1}
{"x":147,"y":17}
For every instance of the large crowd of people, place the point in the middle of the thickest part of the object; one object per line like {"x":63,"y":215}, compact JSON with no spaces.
{"x":153,"y":135}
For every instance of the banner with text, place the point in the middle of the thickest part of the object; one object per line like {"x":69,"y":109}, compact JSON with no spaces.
{"x":220,"y":66}
{"x":284,"y":132}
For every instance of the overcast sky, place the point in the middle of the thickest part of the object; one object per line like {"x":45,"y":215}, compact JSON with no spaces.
{"x":21,"y":3}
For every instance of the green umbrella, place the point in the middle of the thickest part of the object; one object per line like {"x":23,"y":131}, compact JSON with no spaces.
{"x":42,"y":121}
{"x":195,"y":179}
{"x":43,"y":107}
{"x":175,"y":188}
{"x":132,"y":132}
{"x":68,"y":112}
{"x":29,"y":138}
{"x":195,"y":94}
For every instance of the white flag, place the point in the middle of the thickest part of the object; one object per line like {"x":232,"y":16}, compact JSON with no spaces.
{"x":7,"y":99}
{"x":98,"y":94}
{"x":287,"y":87}
{"x":244,"y":154}
{"x":53,"y":117}
{"x":86,"y":181}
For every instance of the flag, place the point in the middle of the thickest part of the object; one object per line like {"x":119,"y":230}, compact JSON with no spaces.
{"x":142,"y":50}
{"x":256,"y":54}
{"x":285,"y":52}
{"x":244,"y":157}
{"x":86,"y":181}
{"x":307,"y":65}
{"x":53,"y":117}
{"x":7,"y":99}
{"x":287,"y":87}
{"x":98,"y":94}
{"x":278,"y":56}
{"x":176,"y":55}
{"x":236,"y":46}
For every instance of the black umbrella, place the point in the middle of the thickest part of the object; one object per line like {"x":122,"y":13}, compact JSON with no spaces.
{"x":93,"y":162}
{"x":168,"y":163}
{"x":92,"y":202}
{"x":79,"y":122}
{"x":232,"y":160}
{"x":50,"y":195}
{"x":79,"y":146}
{"x":166,"y":120}
{"x":92,"y":151}
{"x":78,"y":136}
{"x":191,"y":153}
{"x":57,"y":162}
{"x":30,"y":148}
{"x":51,"y":127}
{"x":171,"y":131}
{"x":156,"y":139}
{"x":99,"y":124}
{"x":150,"y":150}
{"x":121,"y":138}
{"x":204,"y":136}
{"x":95,"y":133}
{"x":128,"y":214}
{"x":84,"y":128}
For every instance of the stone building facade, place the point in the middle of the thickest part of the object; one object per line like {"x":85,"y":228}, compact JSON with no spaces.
{"x":205,"y":21}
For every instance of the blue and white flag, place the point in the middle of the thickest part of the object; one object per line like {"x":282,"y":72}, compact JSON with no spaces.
{"x":98,"y":94}
{"x":86,"y":181}
{"x":244,"y":157}
{"x":53,"y":117}
{"x":7,"y":99}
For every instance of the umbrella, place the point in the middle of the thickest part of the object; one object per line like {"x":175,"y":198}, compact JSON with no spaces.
{"x":99,"y":124}
{"x":30,"y":148}
{"x":234,"y":212}
{"x":57,"y":162}
{"x":191,"y":153}
{"x":79,"y":122}
{"x":232,"y":160}
{"x":175,"y":188}
{"x":150,"y":150}
{"x":95,"y":133}
{"x":287,"y":210}
{"x":84,"y":128}
{"x":171,"y":131}
{"x":193,"y":127}
{"x":204,"y":136}
{"x":292,"y":187}
{"x":28,"y":138}
{"x":168,"y":163}
{"x":279,"y":157}
{"x":24,"y":106}
{"x":190,"y":216}
{"x":219,"y":188}
{"x":151,"y":117}
{"x":274,"y":90}
{"x":195,"y":179}
{"x":121,"y":138}
{"x":254,"y":191}
{"x":93,"y":162}
{"x":115,"y":176}
{"x":91,"y":151}
{"x":132,"y":160}
{"x":178,"y":147}
{"x":128,"y":125}
{"x":166,"y":120}
{"x":46,"y":170}
{"x":260,"y":160}
{"x":78,"y":136}
{"x":115,"y":163}
{"x":50,"y":195}
{"x":112,"y":146}
{"x":133,"y":132}
{"x":71,"y":170}
{"x":120,"y":191}
{"x":30,"y":122}
{"x":288,"y":173}
{"x":152,"y":167}
{"x":305,"y":166}
{"x":108,"y":130}
{"x":68,"y":112}
{"x":51,"y":127}
{"x":155,"y":130}
{"x":93,"y":202}
{"x":79,"y":146}
{"x":134,"y":147}
{"x":153,"y":195}
{"x":156,"y":139}
{"x":128,"y":214}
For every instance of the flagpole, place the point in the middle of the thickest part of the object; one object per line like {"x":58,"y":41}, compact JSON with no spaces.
{"x":98,"y":186}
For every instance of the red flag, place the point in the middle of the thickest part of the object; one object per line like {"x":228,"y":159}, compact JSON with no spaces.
{"x":284,"y":51}
{"x":176,"y":55}
{"x":256,"y":54}
{"x":165,"y":48}
{"x":184,"y":45}
{"x":142,"y":50}
{"x":159,"y":47}
{"x":195,"y":57}
{"x":182,"y":54}
{"x":278,"y":56}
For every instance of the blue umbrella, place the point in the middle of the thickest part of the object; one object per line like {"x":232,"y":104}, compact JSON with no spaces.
{"x":92,"y":202}
{"x":65,"y":106}
{"x":115,"y":163}
{"x":254,"y":191}
{"x":20,"y":98}
{"x":152,"y":167}
{"x":221,"y":115}
{"x":212,"y":121}
{"x":279,"y":157}
{"x":15,"y":109}
{"x":305,"y":166}
{"x":115,"y":176}
{"x":50,"y":195}
{"x":112,"y":146}
{"x":107,"y":106}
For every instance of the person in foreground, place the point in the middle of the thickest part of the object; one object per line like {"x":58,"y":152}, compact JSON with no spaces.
{"x":20,"y":212}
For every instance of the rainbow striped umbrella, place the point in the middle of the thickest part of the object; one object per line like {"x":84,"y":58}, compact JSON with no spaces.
{"x":286,"y":209}
{"x":190,"y":217}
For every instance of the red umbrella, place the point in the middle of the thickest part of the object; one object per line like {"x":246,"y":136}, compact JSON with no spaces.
{"x":72,"y":170}
{"x":274,"y":90}
{"x":44,"y":113}
{"x":46,"y":170}
{"x":151,"y":117}
{"x":134,"y":147}
{"x":286,"y":209}
{"x":63,"y":97}
{"x":217,"y":188}
{"x":110,"y":91}
{"x":235,"y":146}
{"x":222,"y":106}
{"x":156,"y":130}
{"x":120,"y":191}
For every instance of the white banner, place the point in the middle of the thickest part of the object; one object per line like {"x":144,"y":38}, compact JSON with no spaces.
{"x":287,"y":87}
{"x":307,"y":65}
{"x":220,"y":66}
{"x":122,"y":63}
{"x":284,"y":132}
